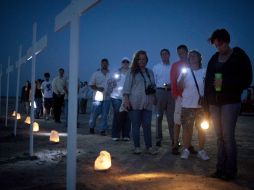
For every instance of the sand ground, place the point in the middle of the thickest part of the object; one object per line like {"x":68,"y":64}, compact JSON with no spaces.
{"x":47,"y":170}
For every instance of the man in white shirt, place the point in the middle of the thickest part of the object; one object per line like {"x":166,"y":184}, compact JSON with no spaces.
{"x":59,"y":91}
{"x":101,"y":98}
{"x":46,"y":88}
{"x":165,"y":101}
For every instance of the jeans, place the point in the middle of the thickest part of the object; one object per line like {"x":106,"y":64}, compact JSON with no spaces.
{"x":121,"y":121}
{"x":144,"y":118}
{"x":224,"y":120}
{"x":97,"y":109}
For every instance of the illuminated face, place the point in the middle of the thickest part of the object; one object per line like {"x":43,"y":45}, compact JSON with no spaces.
{"x":142,"y":61}
{"x":182,"y":53}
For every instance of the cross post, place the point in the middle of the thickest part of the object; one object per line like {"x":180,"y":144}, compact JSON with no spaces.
{"x":71,"y":15}
{"x":18,"y":65}
{"x":8,"y":70}
{"x":37,"y":47}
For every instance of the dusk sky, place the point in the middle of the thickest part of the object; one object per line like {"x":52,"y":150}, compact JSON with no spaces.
{"x":117,"y":28}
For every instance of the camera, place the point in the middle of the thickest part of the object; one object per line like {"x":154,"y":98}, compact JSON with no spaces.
{"x":150,"y":90}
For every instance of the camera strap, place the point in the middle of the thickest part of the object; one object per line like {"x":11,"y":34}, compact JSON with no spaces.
{"x":147,"y":73}
{"x":195,"y":82}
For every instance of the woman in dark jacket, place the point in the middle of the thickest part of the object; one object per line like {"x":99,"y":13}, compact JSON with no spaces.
{"x":229,"y":72}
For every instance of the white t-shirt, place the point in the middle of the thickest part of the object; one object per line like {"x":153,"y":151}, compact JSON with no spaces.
{"x":46,"y":87}
{"x":190,"y":93}
{"x":161,"y":74}
{"x":117,"y":90}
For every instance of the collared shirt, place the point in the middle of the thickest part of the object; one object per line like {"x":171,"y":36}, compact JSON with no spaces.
{"x":58,"y":85}
{"x":174,"y":74}
{"x":100,"y":80}
{"x":161,"y":73}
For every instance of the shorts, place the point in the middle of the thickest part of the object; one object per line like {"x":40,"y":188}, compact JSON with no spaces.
{"x":178,"y":110}
{"x":191,"y":116}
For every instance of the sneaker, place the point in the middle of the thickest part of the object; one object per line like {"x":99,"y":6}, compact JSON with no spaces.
{"x":203,"y":155}
{"x":91,"y":131}
{"x":115,"y":139}
{"x":137,"y":150}
{"x":126,"y":139}
{"x":192,"y":150}
{"x":185,"y":154}
{"x":152,"y":151}
{"x":175,"y":151}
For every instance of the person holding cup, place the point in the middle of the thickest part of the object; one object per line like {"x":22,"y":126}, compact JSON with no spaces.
{"x":229,"y":72}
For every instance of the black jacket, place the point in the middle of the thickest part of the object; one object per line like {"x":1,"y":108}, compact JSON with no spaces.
{"x":236,"y":76}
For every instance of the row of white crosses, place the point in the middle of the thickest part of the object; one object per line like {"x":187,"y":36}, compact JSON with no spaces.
{"x":70,"y":15}
{"x":37,"y":46}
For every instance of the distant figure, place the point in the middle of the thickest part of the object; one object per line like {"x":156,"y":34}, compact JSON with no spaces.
{"x":38,"y":99}
{"x":121,"y":124}
{"x":139,"y":97}
{"x":229,"y":72}
{"x":47,"y":92}
{"x":101,"y":103}
{"x":165,"y":100}
{"x":25,"y":94}
{"x":83,"y":97}
{"x":59,"y":91}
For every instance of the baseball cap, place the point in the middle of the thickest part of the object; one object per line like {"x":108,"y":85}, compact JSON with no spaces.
{"x":125,"y":59}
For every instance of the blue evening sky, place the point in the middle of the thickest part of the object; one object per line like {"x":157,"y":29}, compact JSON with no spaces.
{"x":117,"y":28}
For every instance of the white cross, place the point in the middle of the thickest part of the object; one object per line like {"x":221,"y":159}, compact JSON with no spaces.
{"x":20,"y":61}
{"x":37,"y":47}
{"x":1,"y":74}
{"x":71,"y":15}
{"x":8,"y":70}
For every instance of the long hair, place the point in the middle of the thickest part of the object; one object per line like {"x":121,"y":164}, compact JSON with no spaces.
{"x":134,"y":65}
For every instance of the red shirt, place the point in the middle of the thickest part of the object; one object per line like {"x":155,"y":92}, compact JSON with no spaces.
{"x":174,"y":74}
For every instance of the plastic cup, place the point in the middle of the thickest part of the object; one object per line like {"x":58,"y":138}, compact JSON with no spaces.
{"x":218,"y":76}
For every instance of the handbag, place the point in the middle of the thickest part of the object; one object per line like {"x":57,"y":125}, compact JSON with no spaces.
{"x":202,"y":100}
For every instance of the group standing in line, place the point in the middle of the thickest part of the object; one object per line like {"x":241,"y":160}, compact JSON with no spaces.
{"x":175,"y":89}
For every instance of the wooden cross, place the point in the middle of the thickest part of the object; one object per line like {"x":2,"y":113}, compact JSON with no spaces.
{"x":20,"y":61}
{"x":37,"y":47}
{"x":71,"y":15}
{"x":8,"y":70}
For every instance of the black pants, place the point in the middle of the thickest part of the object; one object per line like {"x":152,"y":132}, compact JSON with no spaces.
{"x":58,"y":103}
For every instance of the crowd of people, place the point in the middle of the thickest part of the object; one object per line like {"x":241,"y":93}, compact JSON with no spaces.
{"x":176,"y":90}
